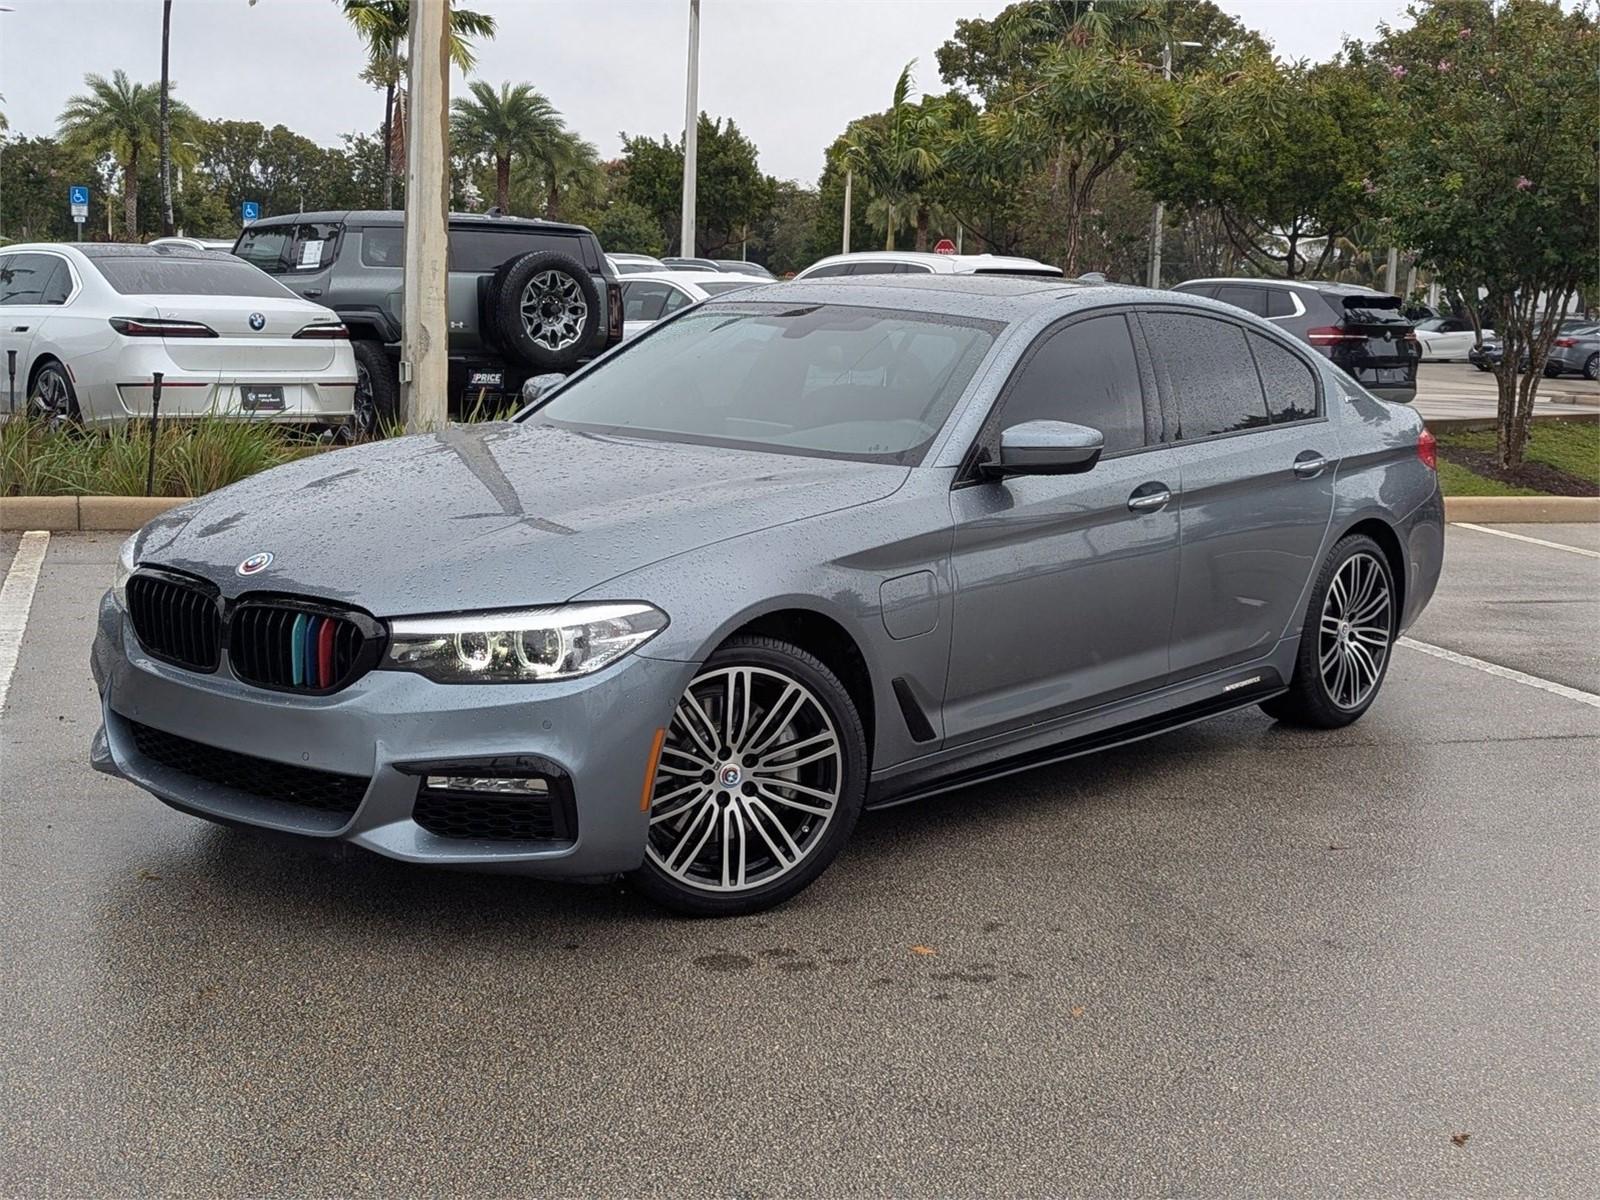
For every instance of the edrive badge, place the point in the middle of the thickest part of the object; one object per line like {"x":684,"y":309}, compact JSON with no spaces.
{"x":258,"y":561}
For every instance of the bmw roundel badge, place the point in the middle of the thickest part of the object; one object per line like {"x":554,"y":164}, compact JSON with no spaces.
{"x":258,"y":322}
{"x":258,"y":561}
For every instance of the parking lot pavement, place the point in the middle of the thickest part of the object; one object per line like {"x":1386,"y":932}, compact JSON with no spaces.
{"x":1461,"y":390}
{"x":1235,"y":959}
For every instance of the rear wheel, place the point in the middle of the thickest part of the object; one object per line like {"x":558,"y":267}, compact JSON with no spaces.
{"x":52,"y":399}
{"x":1591,"y":366}
{"x":1344,"y":645}
{"x":377,"y":399}
{"x":761,"y":778}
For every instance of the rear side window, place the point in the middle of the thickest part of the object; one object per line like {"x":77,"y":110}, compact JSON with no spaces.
{"x":1197,"y":289}
{"x":1251,"y":299}
{"x":830,"y":270}
{"x":315,"y":243}
{"x":645,"y":300}
{"x":383,"y":246}
{"x":1210,"y":371}
{"x":1290,"y":387}
{"x":266,"y":247}
{"x":876,"y":268}
{"x":223,"y":275}
{"x":1279,"y":303}
{"x":23,"y":278}
{"x":1087,"y":374}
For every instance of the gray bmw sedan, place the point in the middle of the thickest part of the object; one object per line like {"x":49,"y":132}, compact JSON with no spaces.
{"x":792,"y":553}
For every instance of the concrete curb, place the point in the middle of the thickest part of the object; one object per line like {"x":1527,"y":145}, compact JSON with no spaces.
{"x":1512,"y":510}
{"x":92,"y":514}
{"x":104,"y":514}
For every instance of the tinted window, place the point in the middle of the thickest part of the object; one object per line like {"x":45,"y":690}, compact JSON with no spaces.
{"x":876,"y":268}
{"x":825,"y":380}
{"x":223,"y":275}
{"x":644,"y":300}
{"x":1279,"y":303}
{"x":482,"y":250}
{"x":1290,"y":386}
{"x":383,"y":246}
{"x":1251,"y":299}
{"x":675,"y":301}
{"x":829,"y":271}
{"x":1087,"y":374}
{"x":59,"y":286}
{"x":1197,"y":289}
{"x":715,"y":287}
{"x":24,"y":276}
{"x":314,"y":245}
{"x":266,"y":247}
{"x":1210,"y":371}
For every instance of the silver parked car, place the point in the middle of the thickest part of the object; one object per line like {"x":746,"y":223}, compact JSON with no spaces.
{"x":1575,"y":351}
{"x":791,"y":553}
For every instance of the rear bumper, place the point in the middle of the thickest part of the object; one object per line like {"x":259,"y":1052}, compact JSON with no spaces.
{"x":597,"y":732}
{"x":1399,"y":393}
{"x":305,"y":401}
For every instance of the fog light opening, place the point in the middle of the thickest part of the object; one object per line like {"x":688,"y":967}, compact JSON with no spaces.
{"x":494,"y":785}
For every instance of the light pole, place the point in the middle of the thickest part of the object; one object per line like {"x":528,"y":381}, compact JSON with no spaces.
{"x":1161,"y":209}
{"x":844,"y":242}
{"x":691,"y":130}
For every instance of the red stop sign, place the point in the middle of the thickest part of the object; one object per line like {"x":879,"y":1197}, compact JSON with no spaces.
{"x":944,"y":246}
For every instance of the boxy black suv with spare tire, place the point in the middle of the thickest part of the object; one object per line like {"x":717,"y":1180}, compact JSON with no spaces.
{"x":525,"y":298}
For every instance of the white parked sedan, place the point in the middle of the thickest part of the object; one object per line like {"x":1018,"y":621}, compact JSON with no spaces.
{"x":1446,"y":339}
{"x":646,"y":298}
{"x":89,"y":325}
{"x":921,"y":262}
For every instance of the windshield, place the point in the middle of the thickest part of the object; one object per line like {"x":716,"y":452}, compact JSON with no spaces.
{"x":826,"y":380}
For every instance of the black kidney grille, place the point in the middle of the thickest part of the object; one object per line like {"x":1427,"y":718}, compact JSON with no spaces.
{"x":295,"y":648}
{"x":324,"y":791}
{"x":176,"y":620}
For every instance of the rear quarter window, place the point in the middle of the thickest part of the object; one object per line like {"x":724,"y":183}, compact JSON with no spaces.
{"x":1290,"y":386}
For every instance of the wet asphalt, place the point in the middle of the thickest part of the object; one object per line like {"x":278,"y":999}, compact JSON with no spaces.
{"x":1232,"y":960}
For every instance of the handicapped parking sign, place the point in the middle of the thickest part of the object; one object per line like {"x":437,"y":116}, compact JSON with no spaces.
{"x":251,"y":210}
{"x":78,"y":199}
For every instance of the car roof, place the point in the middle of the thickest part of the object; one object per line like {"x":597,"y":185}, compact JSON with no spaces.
{"x":93,"y":250}
{"x":1005,"y":297}
{"x":944,"y":263}
{"x":386,"y":216}
{"x":1313,"y":285}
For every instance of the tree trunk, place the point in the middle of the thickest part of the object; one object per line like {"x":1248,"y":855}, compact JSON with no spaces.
{"x":552,"y":197}
{"x":502,"y":182}
{"x":922,"y":227}
{"x":888,"y":225}
{"x":130,"y":198}
{"x":165,"y":132}
{"x":388,"y":141}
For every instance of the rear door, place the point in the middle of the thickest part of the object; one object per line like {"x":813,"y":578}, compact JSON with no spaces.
{"x":23,"y":279}
{"x":1245,"y":413}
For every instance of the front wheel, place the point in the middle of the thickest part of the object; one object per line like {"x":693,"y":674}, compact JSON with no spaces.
{"x":761,"y":778}
{"x":1591,"y":366}
{"x":1344,"y":645}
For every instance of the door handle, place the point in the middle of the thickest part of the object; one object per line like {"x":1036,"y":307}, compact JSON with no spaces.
{"x":312,"y":292}
{"x":19,"y":329}
{"x":1309,"y":464}
{"x":1149,"y":497}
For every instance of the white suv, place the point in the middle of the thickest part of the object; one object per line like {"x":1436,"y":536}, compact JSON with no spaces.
{"x":913,"y":262}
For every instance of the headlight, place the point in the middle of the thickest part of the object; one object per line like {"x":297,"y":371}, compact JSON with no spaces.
{"x":125,"y":565}
{"x":521,"y":646}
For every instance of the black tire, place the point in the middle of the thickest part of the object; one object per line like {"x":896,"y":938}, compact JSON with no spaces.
{"x":824,"y":709}
{"x":570,"y":311}
{"x":51,"y":397}
{"x":377,"y":399}
{"x":1552,"y":369}
{"x":1484,"y":367}
{"x":1591,"y":366}
{"x":1310,"y":701}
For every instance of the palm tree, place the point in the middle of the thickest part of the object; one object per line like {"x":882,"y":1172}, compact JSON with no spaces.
{"x":120,"y":118}
{"x":384,"y":25}
{"x":570,"y":165}
{"x":166,"y":127}
{"x":513,"y":122}
{"x":896,"y":154}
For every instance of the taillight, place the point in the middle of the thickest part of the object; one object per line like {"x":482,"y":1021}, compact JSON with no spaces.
{"x":160,"y":327}
{"x":1428,"y":449}
{"x":614,"y":312}
{"x":1332,"y":335}
{"x":325,"y":331}
{"x":1566,"y":343}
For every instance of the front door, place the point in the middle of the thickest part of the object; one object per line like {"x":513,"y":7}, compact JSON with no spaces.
{"x":1065,"y":584}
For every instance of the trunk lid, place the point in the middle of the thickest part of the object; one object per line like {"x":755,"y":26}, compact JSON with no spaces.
{"x":240,"y":348}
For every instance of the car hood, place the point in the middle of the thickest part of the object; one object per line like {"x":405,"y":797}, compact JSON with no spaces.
{"x":492,"y":516}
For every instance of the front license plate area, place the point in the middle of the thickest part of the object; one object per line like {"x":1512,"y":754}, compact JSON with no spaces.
{"x":261,"y":398}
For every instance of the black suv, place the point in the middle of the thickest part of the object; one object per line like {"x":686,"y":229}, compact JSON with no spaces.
{"x":525,"y":297}
{"x":1363,"y":331}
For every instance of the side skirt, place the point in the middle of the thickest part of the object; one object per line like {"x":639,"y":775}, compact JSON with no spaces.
{"x":920,"y":782}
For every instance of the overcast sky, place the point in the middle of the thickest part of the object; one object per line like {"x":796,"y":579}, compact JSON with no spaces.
{"x":790,"y":72}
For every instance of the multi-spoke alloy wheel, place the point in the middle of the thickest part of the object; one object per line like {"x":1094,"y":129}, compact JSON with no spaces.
{"x":554,"y":310}
{"x":759,"y":781}
{"x":1344,"y":644}
{"x":1353,"y":637}
{"x":52,"y":402}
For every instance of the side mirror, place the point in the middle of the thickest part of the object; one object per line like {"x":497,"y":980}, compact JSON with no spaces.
{"x":539,"y":385}
{"x":1047,"y":448}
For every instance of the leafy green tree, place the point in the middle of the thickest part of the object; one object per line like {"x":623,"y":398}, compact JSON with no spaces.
{"x":37,"y":173}
{"x":896,"y":154}
{"x":626,"y":228}
{"x":731,"y":192}
{"x":1487,"y":169}
{"x":384,"y":26}
{"x":515,"y":122}
{"x":121,"y":118}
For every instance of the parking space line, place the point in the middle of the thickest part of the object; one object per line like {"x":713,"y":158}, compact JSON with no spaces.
{"x":1522,"y":537}
{"x":1489,"y":668}
{"x":16,"y":598}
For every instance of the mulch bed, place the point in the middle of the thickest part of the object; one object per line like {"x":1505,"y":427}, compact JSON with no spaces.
{"x":1537,"y":475}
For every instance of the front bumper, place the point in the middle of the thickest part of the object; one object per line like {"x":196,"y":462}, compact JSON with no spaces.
{"x":598,"y":730}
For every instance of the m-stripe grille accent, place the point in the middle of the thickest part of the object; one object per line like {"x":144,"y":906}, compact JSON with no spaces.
{"x":296,"y":649}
